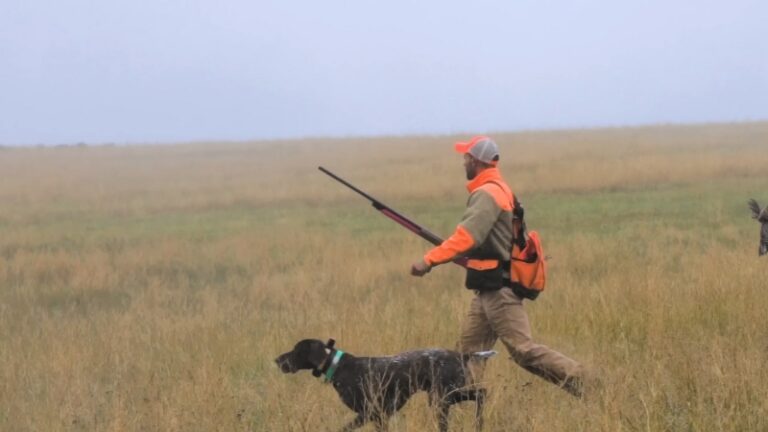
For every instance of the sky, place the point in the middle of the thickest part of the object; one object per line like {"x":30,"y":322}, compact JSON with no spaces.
{"x":140,"y":71}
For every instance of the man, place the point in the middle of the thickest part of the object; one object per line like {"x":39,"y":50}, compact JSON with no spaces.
{"x":485,"y":236}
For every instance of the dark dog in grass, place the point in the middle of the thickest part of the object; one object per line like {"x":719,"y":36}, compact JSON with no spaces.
{"x":762,"y":216}
{"x":376,"y":387}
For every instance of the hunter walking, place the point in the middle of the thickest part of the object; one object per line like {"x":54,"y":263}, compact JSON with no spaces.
{"x":484,"y":236}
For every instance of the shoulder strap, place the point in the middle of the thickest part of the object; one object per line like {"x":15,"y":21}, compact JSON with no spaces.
{"x":514,"y":203}
{"x":518,"y":222}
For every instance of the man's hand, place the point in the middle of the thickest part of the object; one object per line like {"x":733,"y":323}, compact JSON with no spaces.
{"x":420,"y":268}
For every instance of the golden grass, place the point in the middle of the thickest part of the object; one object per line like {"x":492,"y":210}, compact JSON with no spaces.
{"x":150,"y":288}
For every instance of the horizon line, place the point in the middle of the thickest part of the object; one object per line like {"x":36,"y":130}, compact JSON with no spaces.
{"x":112,"y":143}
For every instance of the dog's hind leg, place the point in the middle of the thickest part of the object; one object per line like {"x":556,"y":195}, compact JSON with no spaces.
{"x":477,"y":395}
{"x":479,"y":402}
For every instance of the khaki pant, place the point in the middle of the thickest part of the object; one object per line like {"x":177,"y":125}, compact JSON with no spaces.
{"x":500,"y":315}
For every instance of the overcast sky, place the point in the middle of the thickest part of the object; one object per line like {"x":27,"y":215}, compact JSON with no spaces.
{"x":171,"y":70}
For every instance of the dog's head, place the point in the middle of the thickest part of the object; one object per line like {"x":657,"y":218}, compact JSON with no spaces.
{"x":307,"y":354}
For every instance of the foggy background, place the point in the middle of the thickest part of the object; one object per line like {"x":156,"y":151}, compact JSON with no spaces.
{"x":176,"y":70}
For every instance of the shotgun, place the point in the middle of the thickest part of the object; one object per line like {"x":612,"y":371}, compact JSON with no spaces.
{"x":396,"y":216}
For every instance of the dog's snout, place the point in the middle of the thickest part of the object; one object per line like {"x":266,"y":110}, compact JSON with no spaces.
{"x":283,"y":362}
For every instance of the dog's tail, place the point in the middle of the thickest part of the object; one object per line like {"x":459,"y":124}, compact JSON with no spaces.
{"x":483,"y":354}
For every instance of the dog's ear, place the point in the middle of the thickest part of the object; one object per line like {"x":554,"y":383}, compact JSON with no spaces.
{"x":310,"y":353}
{"x":317,"y":354}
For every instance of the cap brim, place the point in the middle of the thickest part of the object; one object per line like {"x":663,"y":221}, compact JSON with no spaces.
{"x":462,"y":147}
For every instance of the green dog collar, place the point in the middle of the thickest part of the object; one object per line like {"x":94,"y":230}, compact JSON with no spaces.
{"x":335,"y":363}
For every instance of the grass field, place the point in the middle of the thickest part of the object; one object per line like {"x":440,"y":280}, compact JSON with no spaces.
{"x":150,"y":288}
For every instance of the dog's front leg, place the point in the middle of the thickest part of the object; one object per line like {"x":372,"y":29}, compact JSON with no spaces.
{"x":442,"y":416}
{"x":441,"y":405}
{"x":382,"y":423}
{"x":356,"y":423}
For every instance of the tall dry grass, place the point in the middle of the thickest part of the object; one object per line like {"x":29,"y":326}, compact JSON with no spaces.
{"x":149,"y":288}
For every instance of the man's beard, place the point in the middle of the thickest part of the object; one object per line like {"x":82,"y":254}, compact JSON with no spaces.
{"x":471,"y":173}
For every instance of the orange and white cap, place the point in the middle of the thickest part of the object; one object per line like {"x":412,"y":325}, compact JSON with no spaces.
{"x":481,"y":148}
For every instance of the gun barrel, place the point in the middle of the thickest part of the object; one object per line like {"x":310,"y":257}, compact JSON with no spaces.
{"x":349,"y":185}
{"x":389,"y":211}
{"x":395,"y":215}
